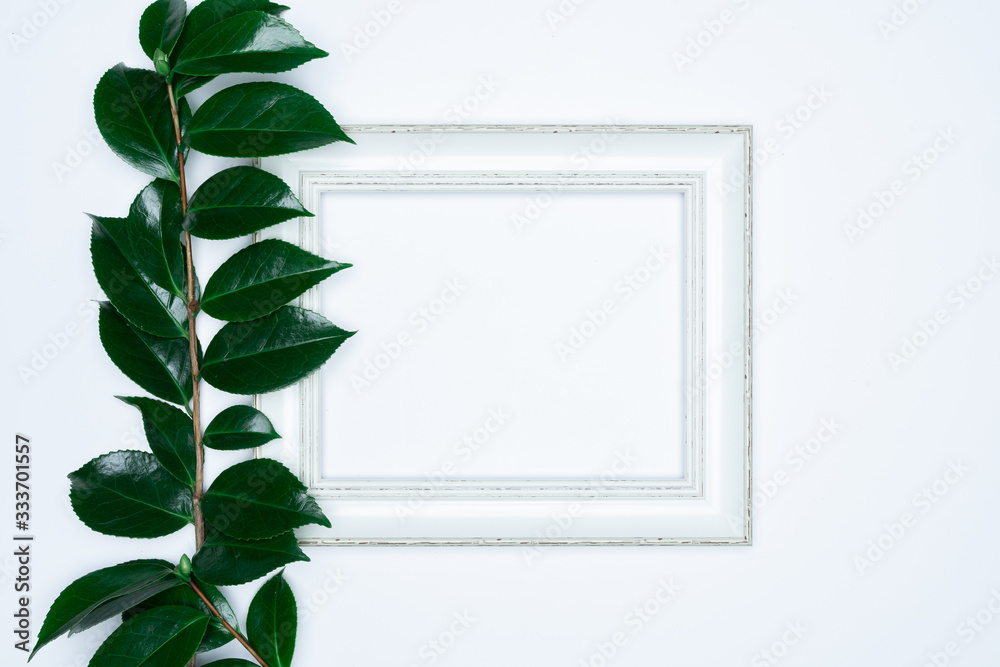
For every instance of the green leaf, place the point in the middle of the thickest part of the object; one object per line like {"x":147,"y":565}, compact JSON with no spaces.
{"x":232,"y":662}
{"x":170,"y":434}
{"x":271,"y":622}
{"x":205,"y":15}
{"x":259,"y":499}
{"x":161,"y":25}
{"x":211,"y":12}
{"x":270,"y":353}
{"x":160,"y":637}
{"x":261,"y":119}
{"x":103,"y":594}
{"x":188,"y":84}
{"x":248,"y":42}
{"x":261,"y":278}
{"x":227,"y":561}
{"x":144,"y":303}
{"x":132,"y":110}
{"x":155,"y":225}
{"x":182,"y":595}
{"x":239,"y":427}
{"x":240,"y":201}
{"x":161,"y":366}
{"x":129,"y":494}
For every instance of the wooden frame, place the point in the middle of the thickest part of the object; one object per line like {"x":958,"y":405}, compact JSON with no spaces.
{"x":710,"y":503}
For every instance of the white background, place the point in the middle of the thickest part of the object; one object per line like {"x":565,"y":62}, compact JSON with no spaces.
{"x":823,"y":360}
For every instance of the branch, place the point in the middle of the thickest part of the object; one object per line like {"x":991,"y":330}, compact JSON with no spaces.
{"x":192,"y":313}
{"x":235,"y":633}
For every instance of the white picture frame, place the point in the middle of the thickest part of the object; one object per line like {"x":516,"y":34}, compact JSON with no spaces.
{"x":710,"y":504}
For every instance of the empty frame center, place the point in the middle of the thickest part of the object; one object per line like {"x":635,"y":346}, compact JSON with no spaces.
{"x":505,"y":335}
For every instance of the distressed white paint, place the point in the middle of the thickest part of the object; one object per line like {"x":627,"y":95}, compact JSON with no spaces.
{"x":698,"y":508}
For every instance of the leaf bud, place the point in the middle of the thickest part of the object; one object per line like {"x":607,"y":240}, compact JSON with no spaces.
{"x":161,"y":62}
{"x":184,"y":567}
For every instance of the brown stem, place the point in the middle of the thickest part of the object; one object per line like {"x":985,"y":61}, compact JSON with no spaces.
{"x":199,"y":451}
{"x":192,"y":313}
{"x":235,"y":633}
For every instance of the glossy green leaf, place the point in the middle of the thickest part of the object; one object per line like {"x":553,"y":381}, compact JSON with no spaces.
{"x":155,"y":226}
{"x":132,"y":110}
{"x":227,"y":561}
{"x":188,"y":84}
{"x":182,"y":595}
{"x":129,"y":494}
{"x":161,"y":25}
{"x":240,"y":201}
{"x":248,"y":42}
{"x":239,"y":427}
{"x":205,"y":15}
{"x":170,"y":434}
{"x":211,"y":12}
{"x":271,"y":622}
{"x":258,"y":499}
{"x":160,"y":637}
{"x":261,"y":119}
{"x":161,"y":366}
{"x":143,"y":303}
{"x":232,"y":662}
{"x":270,"y":353}
{"x":261,"y":278}
{"x":103,"y":594}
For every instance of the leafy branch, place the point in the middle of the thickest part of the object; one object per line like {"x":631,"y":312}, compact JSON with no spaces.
{"x":144,"y":263}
